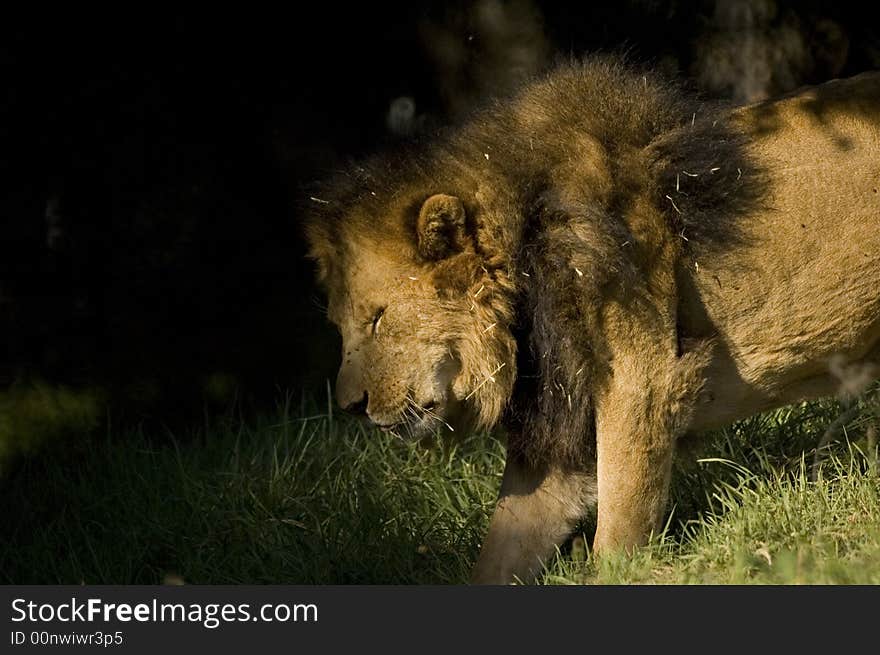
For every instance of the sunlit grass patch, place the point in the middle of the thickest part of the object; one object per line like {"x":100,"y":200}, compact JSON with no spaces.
{"x":762,"y":530}
{"x":746,"y":510}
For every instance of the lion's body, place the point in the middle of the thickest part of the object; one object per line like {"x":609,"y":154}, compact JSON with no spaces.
{"x":802,"y":286}
{"x":603,"y":265}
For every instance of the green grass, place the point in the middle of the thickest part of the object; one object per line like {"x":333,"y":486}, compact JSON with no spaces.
{"x":311,"y":500}
{"x":777,"y":530}
{"x":36,"y":413}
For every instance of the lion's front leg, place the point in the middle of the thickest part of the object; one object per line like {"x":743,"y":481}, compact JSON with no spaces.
{"x":634,"y":464}
{"x":638,"y":420}
{"x":537,"y":509}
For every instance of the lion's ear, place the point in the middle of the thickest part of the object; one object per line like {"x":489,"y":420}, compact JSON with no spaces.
{"x":441,"y":227}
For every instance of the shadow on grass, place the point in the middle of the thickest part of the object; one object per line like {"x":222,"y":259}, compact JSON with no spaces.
{"x":286,"y":500}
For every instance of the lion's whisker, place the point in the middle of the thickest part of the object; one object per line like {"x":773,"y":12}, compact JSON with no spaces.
{"x":420,"y":412}
{"x":437,"y":418}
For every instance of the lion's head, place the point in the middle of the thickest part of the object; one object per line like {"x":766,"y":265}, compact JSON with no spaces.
{"x":426,"y":343}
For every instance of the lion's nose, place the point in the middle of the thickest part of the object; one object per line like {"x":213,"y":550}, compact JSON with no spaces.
{"x":356,"y":407}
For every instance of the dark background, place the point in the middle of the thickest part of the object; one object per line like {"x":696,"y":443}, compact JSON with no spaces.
{"x":154,"y":165}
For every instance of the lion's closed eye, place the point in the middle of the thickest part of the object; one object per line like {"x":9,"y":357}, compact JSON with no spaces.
{"x":377,"y":319}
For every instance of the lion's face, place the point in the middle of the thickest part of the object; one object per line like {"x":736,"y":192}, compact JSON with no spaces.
{"x":418,"y":348}
{"x":399,"y":364}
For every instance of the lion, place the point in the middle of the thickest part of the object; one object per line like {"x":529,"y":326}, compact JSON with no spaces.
{"x":602,"y":264}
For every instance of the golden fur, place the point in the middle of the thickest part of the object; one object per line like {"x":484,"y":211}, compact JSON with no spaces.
{"x":602,"y":264}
